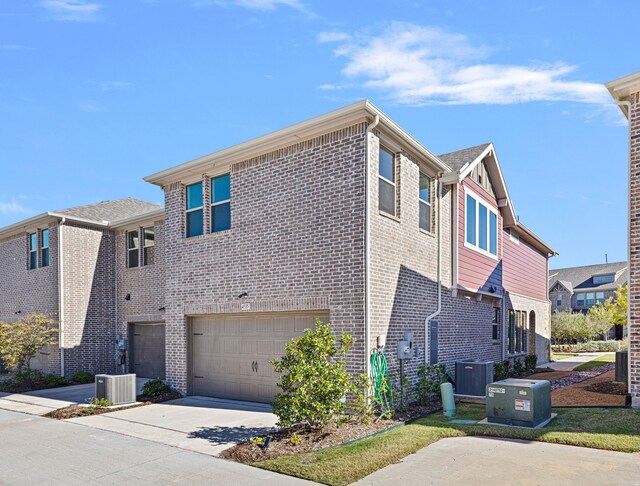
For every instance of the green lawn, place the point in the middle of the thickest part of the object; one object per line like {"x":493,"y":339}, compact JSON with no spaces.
{"x":611,"y":429}
{"x":561,"y":356}
{"x":607,"y":358}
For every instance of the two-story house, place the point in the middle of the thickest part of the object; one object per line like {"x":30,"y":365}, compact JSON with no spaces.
{"x":344,"y":217}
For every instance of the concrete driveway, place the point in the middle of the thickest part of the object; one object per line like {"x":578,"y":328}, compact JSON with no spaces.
{"x":37,"y":450}
{"x":570,"y":364}
{"x":484,"y":460}
{"x":198,"y":424}
{"x":42,"y":402}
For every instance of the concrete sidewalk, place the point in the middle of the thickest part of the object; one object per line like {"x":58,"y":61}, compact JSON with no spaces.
{"x":37,"y":450}
{"x":484,"y":460}
{"x":198,"y":424}
{"x":41,"y":402}
{"x":570,"y":364}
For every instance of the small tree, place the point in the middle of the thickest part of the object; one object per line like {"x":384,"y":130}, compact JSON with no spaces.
{"x":600,"y":319}
{"x":20,"y":341}
{"x":618,"y":307}
{"x":313,"y":379}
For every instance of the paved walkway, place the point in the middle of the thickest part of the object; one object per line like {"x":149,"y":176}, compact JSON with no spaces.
{"x":41,"y":402}
{"x":37,"y":450}
{"x":571,"y":363}
{"x":481,"y":460}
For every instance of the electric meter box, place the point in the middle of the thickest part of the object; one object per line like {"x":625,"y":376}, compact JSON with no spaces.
{"x":523,"y":403}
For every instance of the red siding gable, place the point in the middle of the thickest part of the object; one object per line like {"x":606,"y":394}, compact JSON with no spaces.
{"x":524,"y":269}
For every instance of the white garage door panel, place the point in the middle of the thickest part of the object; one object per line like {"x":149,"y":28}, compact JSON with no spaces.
{"x":231,"y":354}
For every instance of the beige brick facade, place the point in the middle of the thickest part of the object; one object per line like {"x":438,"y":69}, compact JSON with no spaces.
{"x":634,"y":251}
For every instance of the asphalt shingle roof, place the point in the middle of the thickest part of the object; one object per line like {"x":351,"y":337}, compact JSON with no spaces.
{"x":458,"y":159}
{"x":581,"y":278}
{"x":111,"y":211}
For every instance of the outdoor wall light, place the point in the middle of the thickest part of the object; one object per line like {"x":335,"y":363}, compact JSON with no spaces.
{"x":243,"y":294}
{"x":18,"y":312}
{"x":127,"y":297}
{"x":162,"y":309}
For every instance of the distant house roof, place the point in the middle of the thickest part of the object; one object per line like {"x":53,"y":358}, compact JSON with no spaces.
{"x":461,"y":158}
{"x":104,"y":214}
{"x":580,"y":279}
{"x":110,"y":211}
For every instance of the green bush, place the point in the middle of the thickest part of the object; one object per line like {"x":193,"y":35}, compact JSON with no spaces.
{"x":52,"y":380}
{"x":83,"y":378}
{"x":28,"y":378}
{"x":518,"y":367}
{"x":361,"y":403}
{"x":155,"y":388}
{"x":313,"y":379}
{"x":430,"y":377}
{"x":589,"y":347}
{"x":502,"y":371}
{"x":531,"y":362}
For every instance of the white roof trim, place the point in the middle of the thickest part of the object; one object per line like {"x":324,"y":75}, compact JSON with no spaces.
{"x":621,"y":88}
{"x":334,"y":120}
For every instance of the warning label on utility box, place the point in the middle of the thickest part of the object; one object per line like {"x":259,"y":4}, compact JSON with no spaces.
{"x":523,"y":405}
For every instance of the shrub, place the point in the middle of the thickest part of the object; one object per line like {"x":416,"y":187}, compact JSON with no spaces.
{"x":20,"y":341}
{"x":430,"y":377}
{"x":96,"y":405}
{"x":502,"y":371}
{"x":155,"y":388}
{"x":518,"y":367}
{"x":313,"y":379}
{"x":83,"y":378}
{"x":361,"y":404}
{"x":530,"y":362}
{"x":590,"y":347}
{"x":52,"y":380}
{"x":28,"y":378}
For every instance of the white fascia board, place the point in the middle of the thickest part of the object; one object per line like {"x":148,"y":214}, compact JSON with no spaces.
{"x":335,"y":120}
{"x":621,"y":88}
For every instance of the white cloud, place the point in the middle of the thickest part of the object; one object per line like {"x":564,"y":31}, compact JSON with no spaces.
{"x":419,"y":65}
{"x":333,"y":37}
{"x":72,"y":10}
{"x":13,"y":207}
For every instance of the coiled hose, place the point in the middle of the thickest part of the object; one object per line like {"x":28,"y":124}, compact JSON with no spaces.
{"x":381,"y":381}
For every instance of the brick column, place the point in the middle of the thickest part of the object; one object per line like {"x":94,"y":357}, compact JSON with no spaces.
{"x":634,"y":250}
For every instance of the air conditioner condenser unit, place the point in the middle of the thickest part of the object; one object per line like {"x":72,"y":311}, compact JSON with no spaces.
{"x":118,"y":389}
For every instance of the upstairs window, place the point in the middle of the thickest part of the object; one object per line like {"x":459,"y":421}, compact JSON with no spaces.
{"x":194,"y":210}
{"x":386,"y":182}
{"x":33,"y":251}
{"x":481,"y":224}
{"x":559,"y":301}
{"x":148,"y":248}
{"x":580,"y":300}
{"x":133,"y":248}
{"x":425,"y":202}
{"x":220,"y":203}
{"x":600,"y":297}
{"x":44,"y":250}
{"x":601,"y":279}
{"x":590,"y":299}
{"x":513,"y":236}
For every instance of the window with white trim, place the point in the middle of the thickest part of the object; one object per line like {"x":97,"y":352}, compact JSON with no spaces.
{"x":386,"y":181}
{"x":425,"y":202}
{"x":194,"y":210}
{"x":44,"y":248}
{"x":559,"y":300}
{"x":580,"y":300}
{"x":220,"y":203}
{"x":601,"y":279}
{"x":495,"y":324}
{"x":33,"y":251}
{"x":148,"y":246}
{"x":513,"y":236}
{"x":590,"y":298}
{"x":600,"y":297}
{"x":481,"y":225}
{"x":133,"y":242}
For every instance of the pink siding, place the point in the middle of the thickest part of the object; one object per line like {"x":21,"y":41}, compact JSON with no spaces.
{"x":524,"y":269}
{"x":475,"y":270}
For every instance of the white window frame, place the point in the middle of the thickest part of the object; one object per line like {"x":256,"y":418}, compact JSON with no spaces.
{"x":578,"y":299}
{"x":33,"y":251}
{"x":218,"y":203}
{"x":490,"y":209}
{"x":599,"y":279}
{"x":393,"y":171}
{"x":593,"y":298}
{"x":135,"y":249}
{"x":559,"y":300}
{"x":600,"y":300}
{"x":515,"y":237}
{"x":42,"y":248}
{"x":199,"y":208}
{"x":144,"y":246}
{"x":426,"y":203}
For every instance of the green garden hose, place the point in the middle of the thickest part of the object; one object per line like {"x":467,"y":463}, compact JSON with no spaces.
{"x":382,"y":393}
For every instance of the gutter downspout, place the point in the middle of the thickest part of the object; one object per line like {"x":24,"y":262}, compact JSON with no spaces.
{"x":628,"y":105}
{"x":439,"y":277}
{"x":367,"y":249}
{"x":61,"y":291}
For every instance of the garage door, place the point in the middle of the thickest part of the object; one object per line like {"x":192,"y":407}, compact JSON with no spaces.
{"x":147,"y":351}
{"x":230,"y":354}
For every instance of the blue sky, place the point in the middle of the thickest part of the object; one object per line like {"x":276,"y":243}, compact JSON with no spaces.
{"x":96,"y":94}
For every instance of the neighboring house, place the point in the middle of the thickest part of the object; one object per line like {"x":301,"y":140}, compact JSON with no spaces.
{"x":65,"y":262}
{"x":626,"y":92}
{"x":346,"y":218}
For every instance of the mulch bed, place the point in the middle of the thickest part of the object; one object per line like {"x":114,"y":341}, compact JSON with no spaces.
{"x":579,"y":376}
{"x":598,"y":391}
{"x":73,"y":411}
{"x":334,"y":435}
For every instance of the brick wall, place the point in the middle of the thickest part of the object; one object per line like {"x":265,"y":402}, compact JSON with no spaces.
{"x":296,"y":243}
{"x":88,"y":313}
{"x":567,"y":303}
{"x":538,"y":322}
{"x":28,"y":291}
{"x":634,"y":243}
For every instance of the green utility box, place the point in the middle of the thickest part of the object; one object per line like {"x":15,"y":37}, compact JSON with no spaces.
{"x":524,"y":403}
